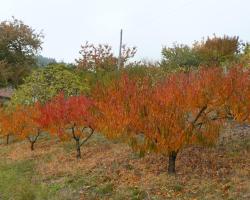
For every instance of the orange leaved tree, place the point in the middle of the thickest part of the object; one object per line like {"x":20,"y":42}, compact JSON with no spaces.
{"x":6,"y":123}
{"x":70,"y":118}
{"x":29,"y":123}
{"x":187,"y":108}
{"x":184,"y":109}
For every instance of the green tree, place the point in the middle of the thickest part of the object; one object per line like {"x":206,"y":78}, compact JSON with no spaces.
{"x":179,"y":56}
{"x":19,"y":44}
{"x":45,"y":83}
{"x":245,"y":56}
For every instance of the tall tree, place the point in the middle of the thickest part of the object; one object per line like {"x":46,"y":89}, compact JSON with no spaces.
{"x":19,"y":44}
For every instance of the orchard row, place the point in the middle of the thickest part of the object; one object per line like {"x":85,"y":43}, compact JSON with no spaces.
{"x":186,"y":108}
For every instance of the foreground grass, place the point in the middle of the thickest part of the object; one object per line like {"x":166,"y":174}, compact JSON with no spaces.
{"x":112,"y":171}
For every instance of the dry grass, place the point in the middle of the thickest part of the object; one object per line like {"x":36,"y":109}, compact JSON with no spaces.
{"x":112,"y":171}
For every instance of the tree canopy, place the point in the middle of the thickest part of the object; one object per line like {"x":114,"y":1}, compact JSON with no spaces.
{"x":19,"y":44}
{"x":186,"y":108}
{"x":47,"y":82}
{"x":212,"y":51}
{"x":101,"y":58}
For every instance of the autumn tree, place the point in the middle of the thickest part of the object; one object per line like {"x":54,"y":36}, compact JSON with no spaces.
{"x":101,"y":58}
{"x":237,"y":91}
{"x":10,"y":123}
{"x":213,"y":51}
{"x":217,"y":50}
{"x":185,"y":109}
{"x":29,"y":122}
{"x":19,"y":44}
{"x":115,"y":102}
{"x":70,"y":118}
{"x":6,"y":123}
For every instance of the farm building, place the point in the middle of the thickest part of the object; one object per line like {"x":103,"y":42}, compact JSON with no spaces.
{"x":5,"y":95}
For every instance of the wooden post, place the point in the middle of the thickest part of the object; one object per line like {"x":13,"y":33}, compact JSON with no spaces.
{"x":120,"y":52}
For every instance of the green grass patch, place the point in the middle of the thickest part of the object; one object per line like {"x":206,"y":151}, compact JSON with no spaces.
{"x":16,"y":182}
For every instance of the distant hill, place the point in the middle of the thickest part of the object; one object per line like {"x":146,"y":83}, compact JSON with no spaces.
{"x":44,"y":61}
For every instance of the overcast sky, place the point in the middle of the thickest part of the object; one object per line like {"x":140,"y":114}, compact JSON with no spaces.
{"x":147,"y":24}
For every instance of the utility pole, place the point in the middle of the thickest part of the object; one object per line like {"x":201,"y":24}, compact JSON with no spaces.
{"x":120,"y":51}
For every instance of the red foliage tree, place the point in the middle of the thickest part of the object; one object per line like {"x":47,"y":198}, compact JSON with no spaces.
{"x":70,"y":118}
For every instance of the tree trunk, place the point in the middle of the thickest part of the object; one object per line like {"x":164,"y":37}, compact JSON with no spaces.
{"x":7,"y":139}
{"x":171,"y":162}
{"x":78,"y":148}
{"x":32,"y":146}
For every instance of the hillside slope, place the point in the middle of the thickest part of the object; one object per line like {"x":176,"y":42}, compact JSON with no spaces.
{"x":110,"y":170}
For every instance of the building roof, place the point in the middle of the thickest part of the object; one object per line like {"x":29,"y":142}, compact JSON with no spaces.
{"x":6,"y":92}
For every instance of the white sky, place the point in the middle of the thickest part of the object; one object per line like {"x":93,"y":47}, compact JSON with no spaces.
{"x":147,"y":24}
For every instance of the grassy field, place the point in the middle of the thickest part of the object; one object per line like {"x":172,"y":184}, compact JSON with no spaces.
{"x":110,"y":170}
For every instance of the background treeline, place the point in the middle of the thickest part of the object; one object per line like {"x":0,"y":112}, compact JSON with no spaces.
{"x":44,"y":61}
{"x":20,"y":46}
{"x":213,"y":51}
